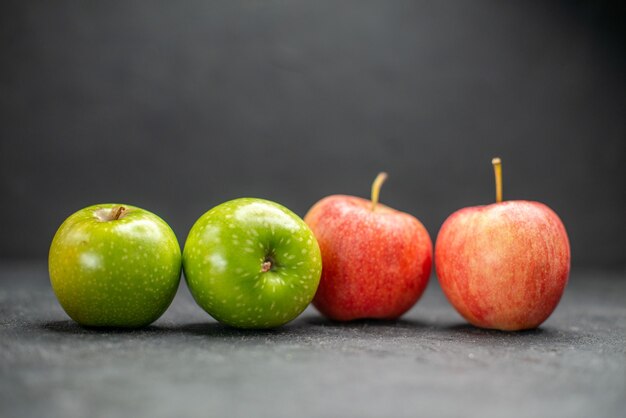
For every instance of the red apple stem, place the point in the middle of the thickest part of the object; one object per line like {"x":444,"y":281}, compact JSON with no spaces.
{"x":378,"y":182}
{"x":497,"y":170}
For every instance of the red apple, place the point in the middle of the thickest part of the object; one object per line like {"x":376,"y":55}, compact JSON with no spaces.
{"x":376,"y":260}
{"x":505,"y":265}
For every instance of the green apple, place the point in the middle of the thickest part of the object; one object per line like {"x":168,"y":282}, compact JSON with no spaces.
{"x":114,"y":265}
{"x":252,"y":263}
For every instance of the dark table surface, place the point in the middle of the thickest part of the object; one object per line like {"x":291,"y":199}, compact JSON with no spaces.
{"x":429,"y":363}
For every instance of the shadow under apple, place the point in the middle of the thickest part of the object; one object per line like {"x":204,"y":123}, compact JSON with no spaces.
{"x":365,"y":323}
{"x":545,"y":336}
{"x":217,"y":329}
{"x":70,"y":327}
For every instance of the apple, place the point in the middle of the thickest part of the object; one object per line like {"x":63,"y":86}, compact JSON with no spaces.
{"x":114,"y":265}
{"x":505,"y":265}
{"x":252,"y":263}
{"x":376,"y":260}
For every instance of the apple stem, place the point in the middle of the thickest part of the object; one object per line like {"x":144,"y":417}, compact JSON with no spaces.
{"x":378,"y":182}
{"x":266,"y":266}
{"x":497,"y":170}
{"x":117,"y":212}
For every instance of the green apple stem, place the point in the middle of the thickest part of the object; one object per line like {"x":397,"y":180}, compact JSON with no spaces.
{"x":117,"y":212}
{"x":378,"y":182}
{"x":497,"y":170}
{"x":113,"y":214}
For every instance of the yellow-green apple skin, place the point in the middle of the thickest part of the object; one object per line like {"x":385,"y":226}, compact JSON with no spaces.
{"x":110,"y":272}
{"x":252,"y":263}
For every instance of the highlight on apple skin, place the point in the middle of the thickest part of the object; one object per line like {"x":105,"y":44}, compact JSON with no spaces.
{"x":503,"y":266}
{"x":376,"y":261}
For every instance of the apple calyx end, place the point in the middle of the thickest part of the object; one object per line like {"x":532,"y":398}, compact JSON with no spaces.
{"x":266,"y":266}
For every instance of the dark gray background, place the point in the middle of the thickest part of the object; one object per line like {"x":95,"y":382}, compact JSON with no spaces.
{"x":179,"y":106}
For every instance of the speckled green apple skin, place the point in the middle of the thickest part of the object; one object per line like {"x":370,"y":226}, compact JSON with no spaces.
{"x":223,"y":263}
{"x":116,"y":273}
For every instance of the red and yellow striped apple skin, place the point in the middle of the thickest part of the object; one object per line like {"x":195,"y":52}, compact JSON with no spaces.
{"x":375,"y":263}
{"x":503,"y":266}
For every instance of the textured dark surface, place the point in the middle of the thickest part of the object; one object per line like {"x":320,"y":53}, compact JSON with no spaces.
{"x":429,"y":363}
{"x":179,"y":106}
